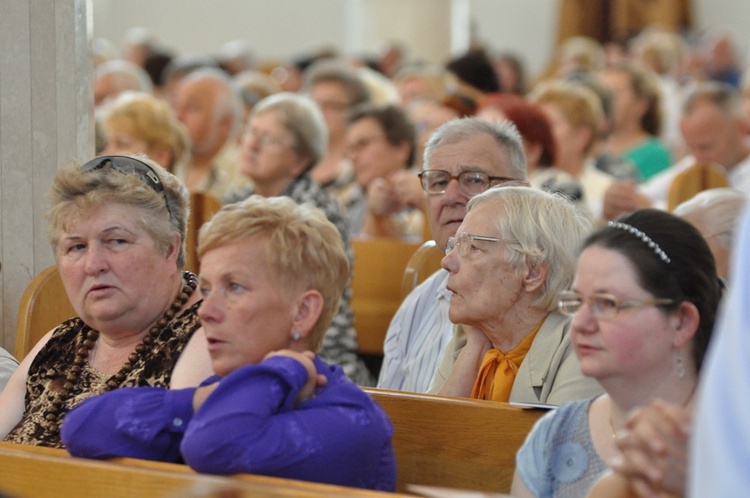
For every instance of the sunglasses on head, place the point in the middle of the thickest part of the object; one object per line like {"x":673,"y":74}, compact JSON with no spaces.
{"x":131,"y":166}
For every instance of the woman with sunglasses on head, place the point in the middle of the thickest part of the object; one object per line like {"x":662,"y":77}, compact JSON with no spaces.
{"x":643,"y":302}
{"x":117,"y":227}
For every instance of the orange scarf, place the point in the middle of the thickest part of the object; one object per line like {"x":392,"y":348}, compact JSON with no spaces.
{"x":498,"y":371}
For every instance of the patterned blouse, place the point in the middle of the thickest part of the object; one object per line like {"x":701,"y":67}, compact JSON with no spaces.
{"x":340,"y":342}
{"x":48,"y":370}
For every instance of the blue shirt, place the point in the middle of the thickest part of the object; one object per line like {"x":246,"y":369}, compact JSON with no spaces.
{"x":248,"y":424}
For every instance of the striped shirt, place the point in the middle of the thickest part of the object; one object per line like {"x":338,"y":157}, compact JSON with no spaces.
{"x":417,"y":337}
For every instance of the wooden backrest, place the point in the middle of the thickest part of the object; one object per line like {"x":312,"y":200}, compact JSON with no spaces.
{"x":202,"y":207}
{"x":455,"y":442}
{"x":696,"y":178}
{"x":376,"y":287}
{"x":424,"y":262}
{"x":44,"y":305}
{"x":43,"y":472}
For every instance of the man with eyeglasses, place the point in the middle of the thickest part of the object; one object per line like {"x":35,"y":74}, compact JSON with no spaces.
{"x":463,"y":158}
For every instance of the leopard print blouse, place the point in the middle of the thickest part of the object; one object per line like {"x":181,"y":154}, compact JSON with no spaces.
{"x":47,"y":374}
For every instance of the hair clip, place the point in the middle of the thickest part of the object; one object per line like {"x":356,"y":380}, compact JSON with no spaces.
{"x":645,"y":238}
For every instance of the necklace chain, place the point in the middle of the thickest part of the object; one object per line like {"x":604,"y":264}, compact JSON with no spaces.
{"x":52,"y":415}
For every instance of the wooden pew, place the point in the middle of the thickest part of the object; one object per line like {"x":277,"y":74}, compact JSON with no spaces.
{"x":455,"y":442}
{"x":376,"y":287}
{"x":28,"y":471}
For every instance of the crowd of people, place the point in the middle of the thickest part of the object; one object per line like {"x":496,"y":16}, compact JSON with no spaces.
{"x":565,"y":281}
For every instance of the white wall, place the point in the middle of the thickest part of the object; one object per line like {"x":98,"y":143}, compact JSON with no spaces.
{"x":284,"y":28}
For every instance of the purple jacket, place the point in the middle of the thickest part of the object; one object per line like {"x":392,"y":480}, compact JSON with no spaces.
{"x":247,"y":425}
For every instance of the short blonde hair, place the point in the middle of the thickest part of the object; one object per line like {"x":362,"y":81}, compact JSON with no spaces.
{"x":579,"y":104}
{"x":150,"y":119}
{"x":163,"y":215}
{"x":547,"y":229}
{"x":303,"y":249}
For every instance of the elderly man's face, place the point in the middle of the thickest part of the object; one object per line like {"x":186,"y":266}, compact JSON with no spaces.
{"x":710,"y":136}
{"x":446,"y":211}
{"x":195,"y":106}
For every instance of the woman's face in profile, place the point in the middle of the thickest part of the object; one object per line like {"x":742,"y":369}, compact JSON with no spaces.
{"x":636,"y":341}
{"x":114,"y":273}
{"x":244,"y":314}
{"x":483,"y":283}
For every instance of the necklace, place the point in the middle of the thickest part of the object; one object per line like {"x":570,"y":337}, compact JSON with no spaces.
{"x":52,"y":415}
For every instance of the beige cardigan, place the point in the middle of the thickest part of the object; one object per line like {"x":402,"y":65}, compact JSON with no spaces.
{"x":549,"y":373}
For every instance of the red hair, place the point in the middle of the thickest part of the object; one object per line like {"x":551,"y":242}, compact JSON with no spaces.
{"x":531,"y":122}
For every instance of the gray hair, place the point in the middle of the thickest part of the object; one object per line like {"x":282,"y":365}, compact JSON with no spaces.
{"x":336,"y":71}
{"x":548,"y":230}
{"x":302,"y":118}
{"x":74,"y":191}
{"x":715,"y":212}
{"x":723,"y":95}
{"x":504,"y":133}
{"x":127,"y":76}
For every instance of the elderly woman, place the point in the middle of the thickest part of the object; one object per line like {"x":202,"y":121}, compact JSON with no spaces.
{"x":513,"y":253}
{"x":272,"y":275}
{"x":139,"y":123}
{"x":643,"y":302}
{"x":576,"y":115}
{"x":117,"y":226}
{"x":284,"y":138}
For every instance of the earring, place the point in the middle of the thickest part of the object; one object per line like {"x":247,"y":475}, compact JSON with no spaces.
{"x":679,"y":366}
{"x":296,"y":336}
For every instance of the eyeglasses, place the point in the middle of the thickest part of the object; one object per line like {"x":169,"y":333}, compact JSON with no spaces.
{"x":602,"y":306}
{"x":131,"y":166}
{"x":435,"y":181}
{"x":265,"y":139}
{"x":464,"y":242}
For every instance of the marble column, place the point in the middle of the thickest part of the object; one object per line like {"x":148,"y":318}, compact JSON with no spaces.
{"x":46,"y":119}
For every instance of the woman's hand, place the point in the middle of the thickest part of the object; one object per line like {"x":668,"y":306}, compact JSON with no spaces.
{"x":407,"y":189}
{"x":654,"y":449}
{"x":381,"y":200}
{"x":314,"y":379}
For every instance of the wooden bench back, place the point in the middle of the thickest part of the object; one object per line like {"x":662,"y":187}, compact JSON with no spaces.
{"x":379,"y":266}
{"x":35,"y":472}
{"x":455,"y":442}
{"x":44,"y":305}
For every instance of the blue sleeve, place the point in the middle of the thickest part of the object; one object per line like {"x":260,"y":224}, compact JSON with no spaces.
{"x":249,"y":424}
{"x":137,"y":422}
{"x":532,"y":457}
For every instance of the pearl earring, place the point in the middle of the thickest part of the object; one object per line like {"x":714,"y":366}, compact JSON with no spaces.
{"x":296,"y":336}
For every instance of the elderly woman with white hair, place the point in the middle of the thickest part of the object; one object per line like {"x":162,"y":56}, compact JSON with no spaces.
{"x":513,"y":253}
{"x":284,"y":138}
{"x":715,"y":213}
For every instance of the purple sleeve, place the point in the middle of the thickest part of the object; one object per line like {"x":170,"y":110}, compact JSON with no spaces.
{"x":138,"y":422}
{"x":248,"y":424}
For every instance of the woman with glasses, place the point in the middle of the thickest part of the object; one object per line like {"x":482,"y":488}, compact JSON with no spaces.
{"x":284,"y":138}
{"x":643,"y":303}
{"x":513,"y":253}
{"x":117,"y":227}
